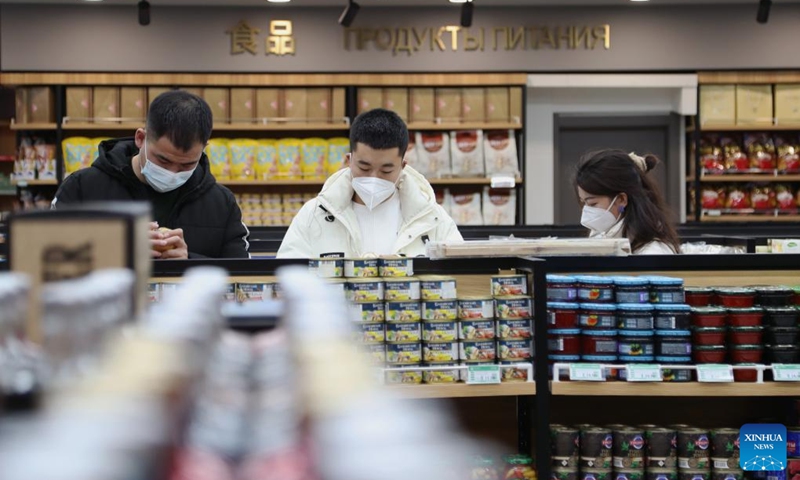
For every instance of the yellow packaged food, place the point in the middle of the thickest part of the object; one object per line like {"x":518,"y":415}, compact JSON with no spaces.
{"x":289,"y":159}
{"x":266,"y":160}
{"x":96,"y":149}
{"x":77,"y":153}
{"x":315,"y":158}
{"x":337,"y":149}
{"x":219,"y":158}
{"x":243,"y":158}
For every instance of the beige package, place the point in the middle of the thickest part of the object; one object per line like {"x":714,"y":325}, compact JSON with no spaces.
{"x":433,"y":154}
{"x":465,"y":207}
{"x":105,"y":104}
{"x":79,"y":103}
{"x":41,"y":106}
{"x":268,"y":103}
{"x":515,"y":104}
{"x":21,"y":97}
{"x":500,"y":152}
{"x":787,"y":104}
{"x":499,"y":206}
{"x":497,"y":103}
{"x":295,"y":103}
{"x":473,"y":105}
{"x":243,"y":108}
{"x":421,"y":105}
{"x":396,"y":100}
{"x":717,"y":104}
{"x":133,"y":104}
{"x":754,"y":105}
{"x":338,"y":104}
{"x":194,"y":91}
{"x":369,"y":99}
{"x":466,"y":152}
{"x":318,"y":106}
{"x":219,"y":101}
{"x":448,"y":104}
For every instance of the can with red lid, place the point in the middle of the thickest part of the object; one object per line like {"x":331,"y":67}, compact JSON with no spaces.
{"x":599,"y":342}
{"x":564,"y":342}
{"x":562,"y":315}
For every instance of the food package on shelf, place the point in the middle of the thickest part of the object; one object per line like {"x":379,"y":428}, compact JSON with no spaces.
{"x":787,"y":150}
{"x":266,"y":160}
{"x":45,"y":160}
{"x":711,"y":155}
{"x":412,"y":155}
{"x":289,"y":158}
{"x":77,"y":152}
{"x":714,"y":197}
{"x":738,"y":198}
{"x":444,"y":199}
{"x":25,"y":164}
{"x":219,"y":158}
{"x":465,"y":207}
{"x":433,"y":154}
{"x":785,"y":197}
{"x":735,"y":159}
{"x":762,"y":197}
{"x":466,"y":151}
{"x":272,"y":203}
{"x":314,"y":158}
{"x":243,"y":154}
{"x":338,"y":148}
{"x":499,"y":206}
{"x":761,"y":152}
{"x":500,"y":152}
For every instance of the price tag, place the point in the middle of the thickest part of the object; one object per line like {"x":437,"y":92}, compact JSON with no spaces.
{"x":786,"y":373}
{"x":714,"y":373}
{"x":586,"y":372}
{"x":503,"y":181}
{"x":483,"y":375}
{"x":644,"y":373}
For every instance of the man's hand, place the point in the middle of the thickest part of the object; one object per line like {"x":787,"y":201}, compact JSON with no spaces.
{"x":157,"y":242}
{"x":175,"y":247}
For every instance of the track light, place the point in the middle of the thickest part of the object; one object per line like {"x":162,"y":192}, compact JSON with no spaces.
{"x":349,"y":13}
{"x":763,"y":11}
{"x":466,"y":13}
{"x":144,"y":13}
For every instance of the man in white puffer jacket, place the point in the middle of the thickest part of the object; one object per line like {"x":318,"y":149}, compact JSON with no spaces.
{"x":376,"y":205}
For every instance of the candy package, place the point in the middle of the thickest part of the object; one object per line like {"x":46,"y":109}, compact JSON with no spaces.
{"x":760,"y":151}
{"x":738,"y":198}
{"x":219,"y":158}
{"x":338,"y":148}
{"x":762,"y":197}
{"x":711,"y":155}
{"x":314,"y":158}
{"x":785,"y":197}
{"x":266,"y":160}
{"x":788,"y":152}
{"x":714,"y":198}
{"x":735,"y":158}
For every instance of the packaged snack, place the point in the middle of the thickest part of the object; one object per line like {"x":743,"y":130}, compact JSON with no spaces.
{"x":465,"y":208}
{"x":289,"y":159}
{"x":788,"y":153}
{"x":77,"y":153}
{"x":738,"y":198}
{"x":45,"y":160}
{"x":314,"y":158}
{"x":762,"y":197}
{"x":466,"y":149}
{"x":337,"y":149}
{"x":433,"y":154}
{"x":219,"y":158}
{"x":243,"y":158}
{"x":735,"y":159}
{"x":96,"y":149}
{"x":499,"y":206}
{"x":760,"y":151}
{"x":784,"y":197}
{"x":25,"y":165}
{"x":411,"y":157}
{"x":711,"y":155}
{"x":714,"y":198}
{"x":266,"y":160}
{"x":500,"y":152}
{"x":444,"y":199}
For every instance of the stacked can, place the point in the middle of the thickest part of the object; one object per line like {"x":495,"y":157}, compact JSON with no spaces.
{"x":629,"y":453}
{"x":662,"y":453}
{"x":635,"y":321}
{"x":440,"y":346}
{"x":793,"y":452}
{"x":694,"y":453}
{"x":725,"y":454}
{"x":514,"y":320}
{"x":597,"y":446}
{"x":563,"y":312}
{"x":565,"y":455}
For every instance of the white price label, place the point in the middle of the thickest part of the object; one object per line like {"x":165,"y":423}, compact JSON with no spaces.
{"x":786,"y":373}
{"x":586,"y":372}
{"x":714,"y":373}
{"x":644,"y":373}
{"x":483,"y":375}
{"x":503,"y":181}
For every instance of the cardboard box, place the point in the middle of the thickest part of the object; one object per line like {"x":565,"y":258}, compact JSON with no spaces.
{"x":473,"y":105}
{"x":220,"y":102}
{"x":421,"y":105}
{"x":154,"y":92}
{"x":243,"y":105}
{"x":79,"y":104}
{"x":105,"y":104}
{"x":396,"y":100}
{"x":338,"y":104}
{"x":369,"y":98}
{"x":497,"y":104}
{"x":515,"y":105}
{"x":193,"y":90}
{"x":295,"y":103}
{"x":787,"y":104}
{"x":133,"y":104}
{"x":717,"y":104}
{"x":754,"y":105}
{"x":268,"y":103}
{"x":448,"y":104}
{"x":41,"y":105}
{"x":21,"y":96}
{"x":319,"y":105}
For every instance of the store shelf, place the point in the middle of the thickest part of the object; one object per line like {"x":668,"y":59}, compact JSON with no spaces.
{"x":749,"y":128}
{"x":34,"y":183}
{"x":32,"y":126}
{"x":464,"y":126}
{"x":461,"y":390}
{"x":750,"y":218}
{"x":692,"y":389}
{"x":86,"y":126}
{"x":282,"y":127}
{"x":319,"y":183}
{"x":758,"y":177}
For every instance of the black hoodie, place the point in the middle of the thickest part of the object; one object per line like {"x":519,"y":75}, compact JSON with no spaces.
{"x":206,"y":211}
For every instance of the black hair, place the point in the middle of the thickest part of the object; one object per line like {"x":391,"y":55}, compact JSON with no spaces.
{"x":185,"y":119}
{"x":609,"y":173}
{"x":379,"y":129}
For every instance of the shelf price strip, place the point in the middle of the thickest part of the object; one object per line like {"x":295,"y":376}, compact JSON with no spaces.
{"x":714,"y":373}
{"x":786,"y":373}
{"x":644,"y":373}
{"x":586,"y":372}
{"x":483,"y":375}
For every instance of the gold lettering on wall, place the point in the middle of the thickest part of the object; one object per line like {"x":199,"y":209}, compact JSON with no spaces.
{"x":244,"y":38}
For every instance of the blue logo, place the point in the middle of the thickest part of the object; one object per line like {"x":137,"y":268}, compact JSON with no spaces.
{"x":763,"y":447}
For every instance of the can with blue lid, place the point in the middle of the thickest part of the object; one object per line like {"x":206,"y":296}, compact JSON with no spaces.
{"x":672,"y":317}
{"x":632,"y":289}
{"x":635,"y":316}
{"x":599,"y":342}
{"x":598,"y":315}
{"x":666,"y":290}
{"x":561,"y":288}
{"x":673,"y":343}
{"x":595,"y":289}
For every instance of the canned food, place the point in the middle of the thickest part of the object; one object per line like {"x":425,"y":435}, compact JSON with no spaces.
{"x":440,"y":331}
{"x":635,"y":343}
{"x":364,"y":290}
{"x":730,"y":474}
{"x":396,"y":267}
{"x":375,"y":353}
{"x":438,"y":288}
{"x":565,"y":445}
{"x":562,"y":315}
{"x":403,"y":312}
{"x":673,"y":317}
{"x":599,"y":342}
{"x":725,"y":445}
{"x":514,"y":349}
{"x":505,"y":285}
{"x":439,"y":352}
{"x":793,"y":443}
{"x":404,"y":353}
{"x":477,"y":329}
{"x":441,"y":375}
{"x":154,"y":292}
{"x":411,"y":376}
{"x":632,"y":290}
{"x":635,"y":317}
{"x":694,"y":474}
{"x":671,"y":372}
{"x":595,"y":289}
{"x":513,"y":307}
{"x":564,"y":473}
{"x":662,"y":474}
{"x":335,"y":284}
{"x":596,"y":474}
{"x":440,"y":310}
{"x":694,"y":450}
{"x":561,"y":288}
{"x":327,"y":267}
{"x":475,"y":308}
{"x":404,"y":332}
{"x":360,"y":267}
{"x":629,"y":449}
{"x":370,"y":333}
{"x":598,"y":315}
{"x":369,"y":312}
{"x":661,"y":448}
{"x":724,"y":463}
{"x":521,"y":329}
{"x":479,"y":350}
{"x":510,"y":372}
{"x":666,"y":290}
{"x":628,"y":474}
{"x":464,"y":373}
{"x":253,"y":292}
{"x":596,"y":448}
{"x":404,"y":289}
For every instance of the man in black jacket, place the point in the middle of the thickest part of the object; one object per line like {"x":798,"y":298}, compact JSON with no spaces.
{"x":164,"y":164}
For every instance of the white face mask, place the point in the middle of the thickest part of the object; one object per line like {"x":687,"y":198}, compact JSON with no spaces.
{"x":373,"y":191}
{"x":161,"y":179}
{"x":598,"y":219}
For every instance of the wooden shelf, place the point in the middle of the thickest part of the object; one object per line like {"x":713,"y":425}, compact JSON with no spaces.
{"x":749,"y":128}
{"x":32,"y":126}
{"x":691,"y":389}
{"x":34,"y":183}
{"x":757,"y":177}
{"x":750,"y":218}
{"x":446,"y":126}
{"x":281,"y":127}
{"x":100,"y":126}
{"x":752,"y":77}
{"x":319,"y":183}
{"x":462,"y":390}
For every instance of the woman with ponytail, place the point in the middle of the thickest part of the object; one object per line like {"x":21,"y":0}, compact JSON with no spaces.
{"x":620,"y":201}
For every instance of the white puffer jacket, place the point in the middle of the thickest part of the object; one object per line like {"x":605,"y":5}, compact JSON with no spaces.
{"x":328,"y":223}
{"x":653,"y":248}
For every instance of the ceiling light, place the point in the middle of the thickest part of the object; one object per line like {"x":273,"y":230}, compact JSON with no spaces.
{"x":763,"y":11}
{"x":144,"y":12}
{"x":92,"y":0}
{"x":279,"y":1}
{"x":467,"y":9}
{"x":349,"y":13}
{"x":640,"y":0}
{"x":459,"y":1}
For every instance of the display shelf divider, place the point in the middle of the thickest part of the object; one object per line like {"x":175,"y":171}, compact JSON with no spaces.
{"x":460,"y":390}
